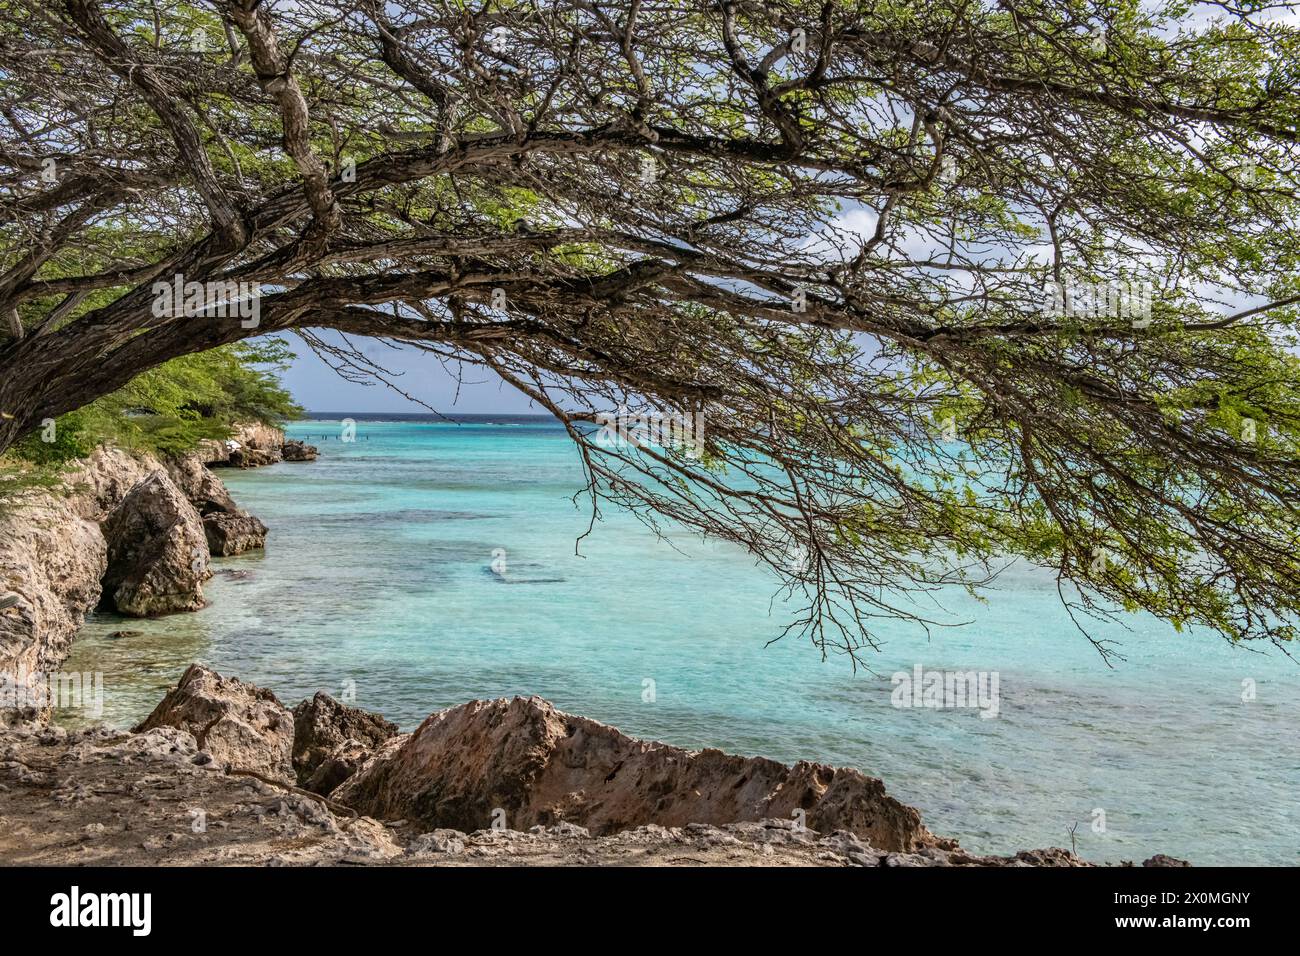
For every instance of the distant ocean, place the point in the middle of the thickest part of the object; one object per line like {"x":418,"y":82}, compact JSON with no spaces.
{"x":429,"y":562}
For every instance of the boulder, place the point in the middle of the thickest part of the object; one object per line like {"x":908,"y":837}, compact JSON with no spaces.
{"x":204,"y":489}
{"x":248,"y":456}
{"x":53,"y":557}
{"x":157,"y":551}
{"x":229,"y":534}
{"x":228,"y":528}
{"x":326,"y":731}
{"x":211,"y":451}
{"x":299,"y":451}
{"x":241,"y":726}
{"x":542,"y":767}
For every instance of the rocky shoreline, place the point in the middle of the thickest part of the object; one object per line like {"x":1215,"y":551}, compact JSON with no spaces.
{"x":222,"y":773}
{"x":130,"y":532}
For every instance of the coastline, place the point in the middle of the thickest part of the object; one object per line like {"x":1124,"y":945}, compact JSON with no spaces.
{"x":102,"y":489}
{"x":221,"y":773}
{"x":130,"y":531}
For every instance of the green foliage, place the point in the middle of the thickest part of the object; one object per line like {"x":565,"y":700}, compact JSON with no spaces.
{"x":173,"y":407}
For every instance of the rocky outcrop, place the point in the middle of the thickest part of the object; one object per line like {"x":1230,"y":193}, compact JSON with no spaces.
{"x":251,"y":446}
{"x":157,"y":551}
{"x":51,"y":561}
{"x":205,"y":781}
{"x":229,"y":534}
{"x":332,"y":740}
{"x":95,"y":485}
{"x":240,"y":726}
{"x":339,"y":764}
{"x":54,"y":554}
{"x":204,"y":489}
{"x":229,"y":529}
{"x":526,"y":762}
{"x":52,"y":558}
{"x":214,"y":755}
{"x":102,"y":797}
{"x":299,"y":451}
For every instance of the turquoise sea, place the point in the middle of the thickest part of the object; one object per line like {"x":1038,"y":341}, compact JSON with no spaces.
{"x":378,"y":577}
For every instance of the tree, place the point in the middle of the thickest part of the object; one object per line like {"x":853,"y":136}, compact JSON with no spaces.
{"x":947,"y":282}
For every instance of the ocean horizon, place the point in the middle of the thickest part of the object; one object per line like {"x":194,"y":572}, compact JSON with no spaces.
{"x":430,"y":560}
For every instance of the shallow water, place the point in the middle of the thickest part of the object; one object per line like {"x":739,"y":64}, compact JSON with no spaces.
{"x":378,"y":577}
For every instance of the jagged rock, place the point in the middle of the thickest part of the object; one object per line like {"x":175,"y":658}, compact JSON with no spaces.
{"x":341,"y":762}
{"x":51,"y":560}
{"x":326,"y":731}
{"x":248,"y":456}
{"x":1051,"y":856}
{"x":134,"y":799}
{"x":241,"y":726}
{"x":95,"y":485}
{"x":299,"y":451}
{"x":229,"y":529}
{"x":251,"y":446}
{"x":229,"y":534}
{"x":1161,"y":860}
{"x":128,"y":792}
{"x":157,"y":551}
{"x":437,"y":841}
{"x":211,"y":451}
{"x":204,"y":489}
{"x":53,"y":554}
{"x":541,"y":766}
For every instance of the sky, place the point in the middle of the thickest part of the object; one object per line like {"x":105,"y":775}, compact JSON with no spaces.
{"x":318,"y":388}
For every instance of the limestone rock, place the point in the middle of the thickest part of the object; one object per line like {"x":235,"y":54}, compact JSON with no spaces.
{"x":437,"y":841}
{"x":251,"y":446}
{"x":249,"y":456}
{"x":95,"y":485}
{"x":299,"y":451}
{"x":341,"y":762}
{"x":52,"y":558}
{"x":541,"y":767}
{"x":204,"y":489}
{"x":326,"y":731}
{"x":228,"y":528}
{"x":212,"y":451}
{"x":102,"y":797}
{"x":241,"y":726}
{"x":157,"y":551}
{"x":229,"y":534}
{"x":51,"y":561}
